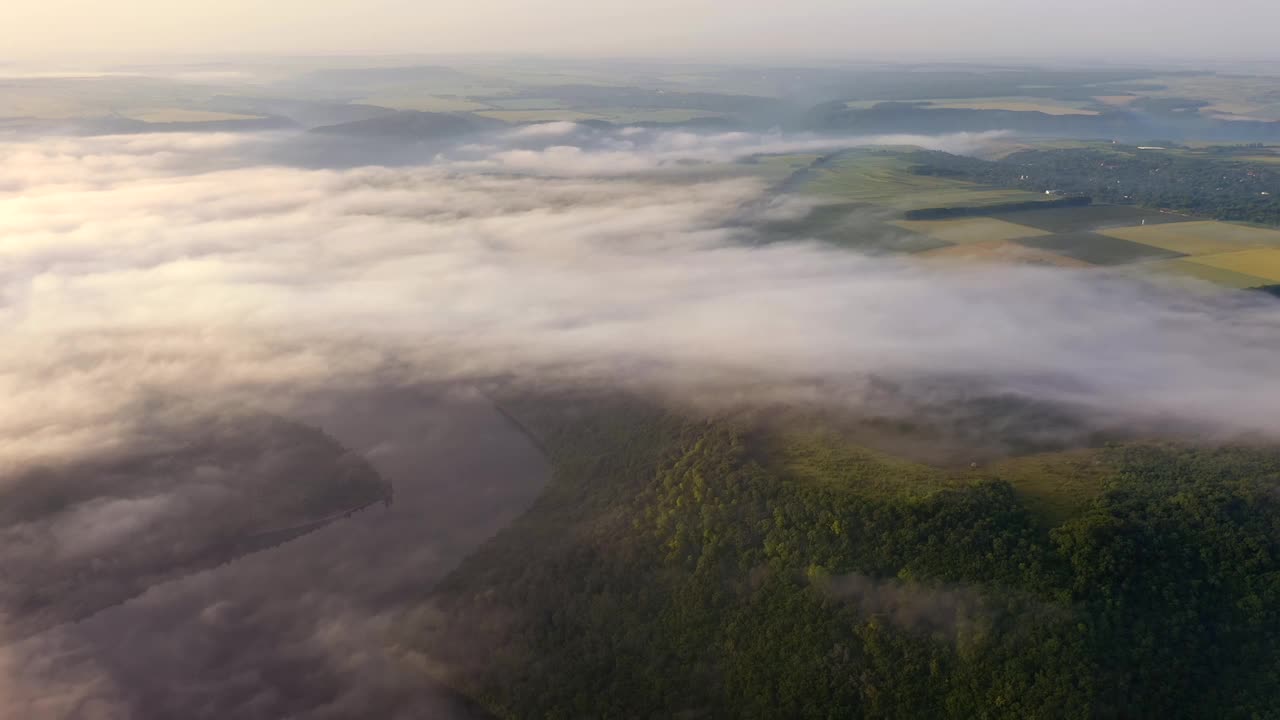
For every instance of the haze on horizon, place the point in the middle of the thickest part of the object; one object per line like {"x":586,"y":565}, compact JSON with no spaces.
{"x":1123,"y":30}
{"x":716,"y":365}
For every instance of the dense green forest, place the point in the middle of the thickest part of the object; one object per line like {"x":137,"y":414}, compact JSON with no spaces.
{"x":681,"y":568}
{"x":1224,"y":189}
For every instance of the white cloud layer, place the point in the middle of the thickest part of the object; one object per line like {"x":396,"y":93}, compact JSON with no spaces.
{"x":146,"y":279}
{"x":578,"y":150}
{"x":143,"y":267}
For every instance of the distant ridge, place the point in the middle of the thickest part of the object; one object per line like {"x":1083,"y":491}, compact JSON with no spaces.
{"x":413,"y":125}
{"x":307,"y":113}
{"x":114,"y":125}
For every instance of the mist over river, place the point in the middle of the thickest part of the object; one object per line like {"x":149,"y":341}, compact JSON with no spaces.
{"x":305,"y":629}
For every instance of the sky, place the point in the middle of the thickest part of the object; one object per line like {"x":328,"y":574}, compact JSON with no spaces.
{"x":688,"y":28}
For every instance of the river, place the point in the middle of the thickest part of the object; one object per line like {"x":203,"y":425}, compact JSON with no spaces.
{"x":306,"y":629}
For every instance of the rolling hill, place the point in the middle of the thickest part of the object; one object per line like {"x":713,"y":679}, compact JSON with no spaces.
{"x":689,"y":567}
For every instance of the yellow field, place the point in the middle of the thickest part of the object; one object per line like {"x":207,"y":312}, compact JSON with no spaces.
{"x":525,"y":103}
{"x":1225,"y":93}
{"x":1047,"y":107}
{"x":13,"y":104}
{"x":1116,"y":100}
{"x":617,"y":115}
{"x":1000,"y":149}
{"x":1002,"y":251}
{"x":969,"y":230}
{"x":884,"y":178}
{"x":423,"y":103}
{"x":626,"y":115}
{"x":1198,"y":238}
{"x":537,"y":115}
{"x":1263,"y":262}
{"x":1016,"y":104}
{"x":1185,"y":267}
{"x":179,"y":115}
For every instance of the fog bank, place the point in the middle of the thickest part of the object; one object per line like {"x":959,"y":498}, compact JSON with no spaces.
{"x":148,"y":281}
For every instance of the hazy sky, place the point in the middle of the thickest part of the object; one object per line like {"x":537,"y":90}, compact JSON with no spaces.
{"x":1118,"y":28}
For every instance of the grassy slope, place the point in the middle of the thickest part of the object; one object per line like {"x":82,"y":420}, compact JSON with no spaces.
{"x":1055,"y":486}
{"x":883,"y":178}
{"x":825,"y":460}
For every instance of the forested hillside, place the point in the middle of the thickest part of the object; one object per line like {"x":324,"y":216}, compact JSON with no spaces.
{"x":690,"y":568}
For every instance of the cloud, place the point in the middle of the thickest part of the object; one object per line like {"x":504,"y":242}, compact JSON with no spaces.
{"x":547,"y":129}
{"x":306,"y":629}
{"x":581,"y":150}
{"x":942,"y":611}
{"x":148,"y":281}
{"x":126,"y":276}
{"x":99,"y":524}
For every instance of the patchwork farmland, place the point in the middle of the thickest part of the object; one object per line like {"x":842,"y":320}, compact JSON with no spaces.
{"x":868,"y":199}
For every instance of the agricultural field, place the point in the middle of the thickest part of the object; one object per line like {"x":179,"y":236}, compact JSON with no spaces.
{"x":424,"y":103}
{"x":1262,"y":262}
{"x":1187,"y":268}
{"x":524,"y":103}
{"x":865,"y":194}
{"x":883,"y":179}
{"x":93,"y":96}
{"x":777,"y":168}
{"x":521,"y":76}
{"x":1002,"y":251}
{"x":1224,"y":153}
{"x":658,"y":115}
{"x":181,"y":115}
{"x":1018,"y":104}
{"x":851,"y":226}
{"x":1239,"y":96}
{"x":517,"y":116}
{"x":963,"y":231}
{"x":1000,"y":149}
{"x":1093,"y":218}
{"x":1097,"y":249}
{"x":1199,"y":237}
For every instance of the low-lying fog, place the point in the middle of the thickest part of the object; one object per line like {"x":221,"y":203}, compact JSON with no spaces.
{"x":157,"y":276}
{"x":175,"y":268}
